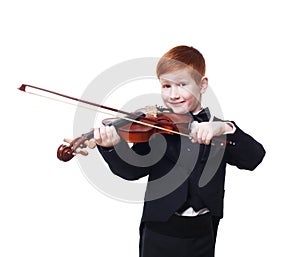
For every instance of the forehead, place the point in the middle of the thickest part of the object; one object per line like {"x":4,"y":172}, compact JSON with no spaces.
{"x":174,"y":76}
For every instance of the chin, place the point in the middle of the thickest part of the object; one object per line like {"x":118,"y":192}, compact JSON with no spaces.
{"x":180,"y":110}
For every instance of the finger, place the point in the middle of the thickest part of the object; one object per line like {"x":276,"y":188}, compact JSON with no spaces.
{"x":201,"y":132}
{"x":207,"y":133}
{"x":108,"y":133}
{"x":97,"y":136}
{"x":115,"y":136}
{"x":193,"y":131}
{"x":109,"y":136}
{"x":103,"y":134}
{"x":112,"y":135}
{"x":203,"y":136}
{"x":208,"y":138}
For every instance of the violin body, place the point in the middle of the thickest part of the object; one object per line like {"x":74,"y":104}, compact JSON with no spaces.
{"x":138,"y":132}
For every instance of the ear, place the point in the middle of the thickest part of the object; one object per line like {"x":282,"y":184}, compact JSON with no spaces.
{"x":203,"y":85}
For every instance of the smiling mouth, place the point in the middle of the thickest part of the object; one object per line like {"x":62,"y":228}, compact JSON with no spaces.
{"x":176,"y":103}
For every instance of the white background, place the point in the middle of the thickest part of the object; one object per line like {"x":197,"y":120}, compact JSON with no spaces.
{"x":48,"y":208}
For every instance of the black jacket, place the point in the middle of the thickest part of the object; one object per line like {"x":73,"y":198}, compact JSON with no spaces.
{"x":184,"y":172}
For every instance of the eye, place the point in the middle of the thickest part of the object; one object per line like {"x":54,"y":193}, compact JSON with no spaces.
{"x":165,"y":86}
{"x":182,"y":84}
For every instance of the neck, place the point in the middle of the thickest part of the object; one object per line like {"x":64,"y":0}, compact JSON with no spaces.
{"x":198,"y":111}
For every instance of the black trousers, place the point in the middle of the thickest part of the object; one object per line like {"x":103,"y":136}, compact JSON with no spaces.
{"x":180,"y":237}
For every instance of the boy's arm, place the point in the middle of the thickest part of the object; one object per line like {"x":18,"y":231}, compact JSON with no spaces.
{"x":246,"y":153}
{"x":121,"y":166}
{"x":121,"y":159}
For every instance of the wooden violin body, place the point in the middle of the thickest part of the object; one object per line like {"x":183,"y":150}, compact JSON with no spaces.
{"x":139,"y":130}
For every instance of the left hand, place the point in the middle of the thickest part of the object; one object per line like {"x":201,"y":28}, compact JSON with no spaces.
{"x":204,"y":132}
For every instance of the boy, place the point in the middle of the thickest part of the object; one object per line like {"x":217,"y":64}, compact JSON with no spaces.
{"x":184,"y":221}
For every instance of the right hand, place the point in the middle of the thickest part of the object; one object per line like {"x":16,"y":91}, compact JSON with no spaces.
{"x":106,"y":136}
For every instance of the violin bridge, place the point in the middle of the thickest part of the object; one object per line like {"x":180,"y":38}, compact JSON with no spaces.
{"x":151,"y":111}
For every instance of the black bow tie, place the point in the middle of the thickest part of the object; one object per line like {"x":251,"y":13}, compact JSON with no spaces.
{"x":203,"y":115}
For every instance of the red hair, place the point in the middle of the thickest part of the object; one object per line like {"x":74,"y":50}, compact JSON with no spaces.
{"x":182,"y":57}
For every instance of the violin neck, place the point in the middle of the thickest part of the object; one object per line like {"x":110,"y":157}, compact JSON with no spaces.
{"x":88,"y":135}
{"x":117,"y":123}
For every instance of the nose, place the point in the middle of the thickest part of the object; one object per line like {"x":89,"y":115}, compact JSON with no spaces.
{"x":174,"y":94}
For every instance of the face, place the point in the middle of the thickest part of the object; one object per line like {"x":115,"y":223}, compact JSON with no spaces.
{"x":181,"y":93}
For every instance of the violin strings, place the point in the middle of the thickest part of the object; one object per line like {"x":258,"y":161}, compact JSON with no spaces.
{"x":113,"y":115}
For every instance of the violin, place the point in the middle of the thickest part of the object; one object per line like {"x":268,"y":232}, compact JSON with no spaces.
{"x":136,"y":127}
{"x":139,"y":130}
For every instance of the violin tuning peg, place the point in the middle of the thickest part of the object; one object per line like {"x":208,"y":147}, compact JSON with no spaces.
{"x":90,"y":143}
{"x":67,"y":140}
{"x":81,"y":151}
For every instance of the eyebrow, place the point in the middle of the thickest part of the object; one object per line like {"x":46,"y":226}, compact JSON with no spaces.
{"x":175,"y":82}
{"x":179,"y":78}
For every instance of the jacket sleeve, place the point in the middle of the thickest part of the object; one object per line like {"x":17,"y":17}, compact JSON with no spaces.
{"x":246,"y":152}
{"x":122,"y":160}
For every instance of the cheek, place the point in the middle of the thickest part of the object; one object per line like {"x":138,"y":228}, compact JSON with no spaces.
{"x":188,"y":95}
{"x":164,"y":97}
{"x":193,"y":94}
{"x":191,"y":100}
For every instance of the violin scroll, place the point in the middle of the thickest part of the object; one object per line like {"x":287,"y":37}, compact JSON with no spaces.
{"x":76,"y":146}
